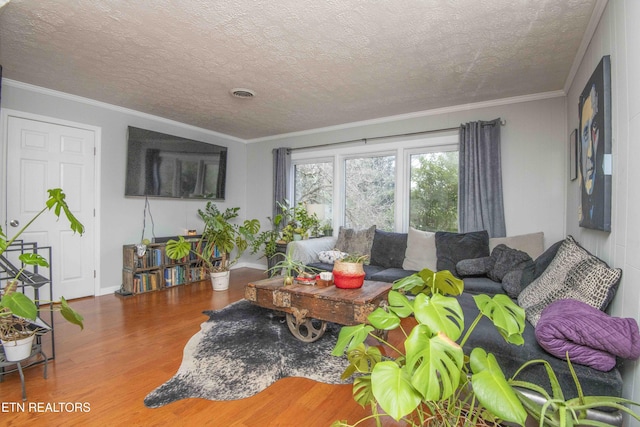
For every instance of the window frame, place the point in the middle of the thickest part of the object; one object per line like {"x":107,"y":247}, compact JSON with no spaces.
{"x":400,"y":147}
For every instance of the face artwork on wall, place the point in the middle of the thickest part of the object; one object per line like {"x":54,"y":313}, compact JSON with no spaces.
{"x":594,"y":149}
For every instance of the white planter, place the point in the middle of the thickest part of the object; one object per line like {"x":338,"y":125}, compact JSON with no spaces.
{"x":220,"y":281}
{"x":14,"y":351}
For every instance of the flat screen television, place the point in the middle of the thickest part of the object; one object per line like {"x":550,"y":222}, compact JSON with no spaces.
{"x":161,"y":165}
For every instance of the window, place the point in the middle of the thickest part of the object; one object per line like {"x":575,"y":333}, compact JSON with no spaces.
{"x":433,"y":199}
{"x":313,"y":184}
{"x":370,"y":192}
{"x":392,"y":185}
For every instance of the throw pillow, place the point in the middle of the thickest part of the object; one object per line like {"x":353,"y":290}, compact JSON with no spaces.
{"x":329,"y":257}
{"x":421,"y":251}
{"x":573,"y":274}
{"x":532,"y":243}
{"x":452,"y":248}
{"x":511,"y":283}
{"x":388,"y":249}
{"x":355,"y":242}
{"x":506,"y":259}
{"x":474,"y":266}
{"x":533,"y":271}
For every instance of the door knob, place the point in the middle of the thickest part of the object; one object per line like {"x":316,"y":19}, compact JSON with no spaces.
{"x":14,"y":223}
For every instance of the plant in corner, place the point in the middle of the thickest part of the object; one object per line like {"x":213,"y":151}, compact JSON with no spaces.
{"x":432,"y":381}
{"x":220,"y":235}
{"x":17,"y":310}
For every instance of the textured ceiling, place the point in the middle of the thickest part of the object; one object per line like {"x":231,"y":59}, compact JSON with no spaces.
{"x":311,"y":63}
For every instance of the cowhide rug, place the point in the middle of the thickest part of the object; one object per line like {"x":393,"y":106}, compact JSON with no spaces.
{"x":241,"y":350}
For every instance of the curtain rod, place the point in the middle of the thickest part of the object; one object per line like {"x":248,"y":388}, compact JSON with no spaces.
{"x":374,"y":138}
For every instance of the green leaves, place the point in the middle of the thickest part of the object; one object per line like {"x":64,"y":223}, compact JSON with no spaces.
{"x":176,"y":249}
{"x":492,"y":389}
{"x":57,"y":203}
{"x":435,"y":363}
{"x":430,"y":282}
{"x":440,"y":313}
{"x":350,"y":337}
{"x":506,"y":315}
{"x":70,"y":314}
{"x":392,"y":388}
{"x":33,"y":259}
{"x":20,"y":305}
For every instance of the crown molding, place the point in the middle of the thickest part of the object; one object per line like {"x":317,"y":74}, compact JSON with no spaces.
{"x":100,"y":104}
{"x":598,"y":10}
{"x":417,"y":114}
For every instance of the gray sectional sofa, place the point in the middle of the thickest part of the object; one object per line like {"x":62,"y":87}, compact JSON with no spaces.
{"x":518,"y":266}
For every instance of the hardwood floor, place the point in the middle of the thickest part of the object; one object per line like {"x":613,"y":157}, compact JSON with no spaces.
{"x":132,"y":345}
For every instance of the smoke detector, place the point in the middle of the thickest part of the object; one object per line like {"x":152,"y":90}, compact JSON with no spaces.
{"x":242,"y":93}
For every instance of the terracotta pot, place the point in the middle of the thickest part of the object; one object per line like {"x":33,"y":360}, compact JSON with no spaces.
{"x":348,"y":275}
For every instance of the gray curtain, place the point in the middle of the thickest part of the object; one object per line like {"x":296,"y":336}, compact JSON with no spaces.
{"x":281,"y":164}
{"x":480,"y":203}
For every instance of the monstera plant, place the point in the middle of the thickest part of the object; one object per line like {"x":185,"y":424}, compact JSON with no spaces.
{"x":431,"y":381}
{"x":17,"y":310}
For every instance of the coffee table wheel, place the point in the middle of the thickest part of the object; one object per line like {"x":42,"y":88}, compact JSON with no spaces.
{"x":308,"y":329}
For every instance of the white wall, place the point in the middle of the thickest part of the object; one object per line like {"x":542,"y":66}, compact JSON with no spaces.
{"x":617,"y":35}
{"x":121,"y":218}
{"x":534,"y":156}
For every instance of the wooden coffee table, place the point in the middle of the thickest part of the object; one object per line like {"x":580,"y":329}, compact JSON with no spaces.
{"x":309,"y":308}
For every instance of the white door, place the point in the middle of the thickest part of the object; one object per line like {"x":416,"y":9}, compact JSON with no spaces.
{"x":42,"y":156}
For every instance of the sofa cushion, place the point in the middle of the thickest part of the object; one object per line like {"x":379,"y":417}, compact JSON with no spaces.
{"x":512,"y":283}
{"x":482,"y":285}
{"x":390,"y":275}
{"x":454,"y":247}
{"x":506,"y":259}
{"x":532,"y":272}
{"x":371,"y":270}
{"x":512,"y":357}
{"x":388,"y":249}
{"x":474,"y":266}
{"x":532,"y":243}
{"x":421,"y":250}
{"x":355,"y":242}
{"x":573,"y":274}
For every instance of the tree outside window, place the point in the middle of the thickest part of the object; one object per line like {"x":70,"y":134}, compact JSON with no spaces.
{"x":370,"y":192}
{"x":434,"y":191}
{"x":313,"y":185}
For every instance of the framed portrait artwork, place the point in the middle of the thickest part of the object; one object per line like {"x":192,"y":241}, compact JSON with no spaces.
{"x":594,"y":149}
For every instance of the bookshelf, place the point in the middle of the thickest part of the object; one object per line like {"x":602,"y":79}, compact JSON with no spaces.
{"x":155,"y":271}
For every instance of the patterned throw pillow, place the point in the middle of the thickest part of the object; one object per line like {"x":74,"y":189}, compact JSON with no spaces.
{"x":573,"y":274}
{"x":355,"y":242}
{"x":329,"y":257}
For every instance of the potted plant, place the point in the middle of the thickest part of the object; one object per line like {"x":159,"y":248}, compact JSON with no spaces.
{"x":288,"y":267}
{"x":299,"y":224}
{"x":270,"y":242}
{"x":327,"y":229}
{"x":430,"y":380}
{"x":18,"y":312}
{"x":348,"y":272}
{"x":220,"y":236}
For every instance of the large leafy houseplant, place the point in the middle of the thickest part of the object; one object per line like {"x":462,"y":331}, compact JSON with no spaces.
{"x":220,"y":235}
{"x":16,"y":308}
{"x":432,"y":381}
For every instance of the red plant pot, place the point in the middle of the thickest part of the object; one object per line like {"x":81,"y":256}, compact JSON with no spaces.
{"x":348,"y":275}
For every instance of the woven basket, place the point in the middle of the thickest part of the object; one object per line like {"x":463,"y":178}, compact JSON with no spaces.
{"x":348,"y":275}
